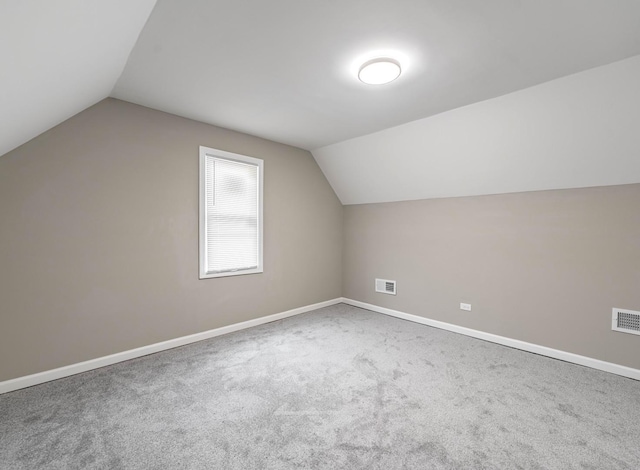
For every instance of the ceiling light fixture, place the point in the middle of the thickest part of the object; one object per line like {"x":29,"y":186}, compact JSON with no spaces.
{"x":379,"y":71}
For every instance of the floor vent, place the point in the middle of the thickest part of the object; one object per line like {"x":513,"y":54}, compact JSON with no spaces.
{"x":386,"y":286}
{"x":626,"y":321}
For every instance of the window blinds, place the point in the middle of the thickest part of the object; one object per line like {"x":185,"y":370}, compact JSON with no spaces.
{"x":231,"y":215}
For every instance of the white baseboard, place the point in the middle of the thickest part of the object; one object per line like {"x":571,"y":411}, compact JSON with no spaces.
{"x":46,"y":376}
{"x":513,"y":343}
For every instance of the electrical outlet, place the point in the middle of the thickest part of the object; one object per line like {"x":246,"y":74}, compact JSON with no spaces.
{"x":466,"y":307}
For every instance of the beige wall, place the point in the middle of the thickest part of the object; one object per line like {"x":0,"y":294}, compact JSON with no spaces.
{"x":99,"y":238}
{"x":542,"y":267}
{"x":99,"y":248}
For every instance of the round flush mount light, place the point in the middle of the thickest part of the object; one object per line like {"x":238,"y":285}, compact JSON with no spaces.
{"x":379,"y":71}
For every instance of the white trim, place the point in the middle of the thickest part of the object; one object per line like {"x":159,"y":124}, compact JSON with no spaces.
{"x":46,"y":376}
{"x":513,"y":343}
{"x":202,"y":228}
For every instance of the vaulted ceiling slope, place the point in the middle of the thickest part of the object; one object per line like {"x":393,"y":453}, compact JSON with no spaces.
{"x":60,"y":57}
{"x":284,"y":69}
{"x":573,"y":132}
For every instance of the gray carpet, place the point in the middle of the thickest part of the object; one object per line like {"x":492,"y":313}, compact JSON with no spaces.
{"x":340,"y":387}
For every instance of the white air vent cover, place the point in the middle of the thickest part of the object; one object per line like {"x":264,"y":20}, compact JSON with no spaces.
{"x":386,"y":286}
{"x":626,"y":321}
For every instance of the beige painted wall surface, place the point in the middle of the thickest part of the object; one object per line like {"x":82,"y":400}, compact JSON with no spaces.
{"x":542,"y":267}
{"x":99,"y":238}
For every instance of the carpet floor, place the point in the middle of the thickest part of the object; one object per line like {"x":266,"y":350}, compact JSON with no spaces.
{"x":337,"y":388}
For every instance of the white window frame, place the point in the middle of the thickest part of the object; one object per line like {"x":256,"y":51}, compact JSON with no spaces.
{"x":204,"y":152}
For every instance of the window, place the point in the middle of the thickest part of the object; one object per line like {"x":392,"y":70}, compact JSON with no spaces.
{"x":230,"y":214}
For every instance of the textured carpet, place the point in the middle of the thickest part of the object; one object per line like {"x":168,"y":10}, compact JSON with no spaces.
{"x":337,"y":388}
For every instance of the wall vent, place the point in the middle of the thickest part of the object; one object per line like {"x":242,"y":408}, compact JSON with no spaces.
{"x":626,"y":321}
{"x":386,"y":286}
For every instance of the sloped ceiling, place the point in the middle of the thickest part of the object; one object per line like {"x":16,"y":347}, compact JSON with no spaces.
{"x":60,"y":57}
{"x":286,"y":70}
{"x":576,"y":131}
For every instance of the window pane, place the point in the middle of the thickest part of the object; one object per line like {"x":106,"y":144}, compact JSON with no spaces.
{"x":232,"y":215}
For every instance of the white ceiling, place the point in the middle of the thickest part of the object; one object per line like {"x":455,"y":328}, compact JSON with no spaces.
{"x":572,"y":132}
{"x":283,"y":69}
{"x":60,"y":57}
{"x":286,"y":70}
